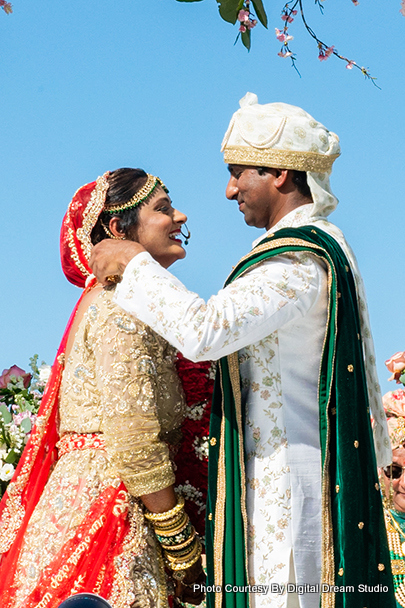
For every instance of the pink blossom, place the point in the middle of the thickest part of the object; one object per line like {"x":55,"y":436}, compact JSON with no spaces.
{"x":355,"y":2}
{"x":294,"y":13}
{"x":325,"y":53}
{"x":243,"y":15}
{"x":396,"y":362}
{"x":16,"y":371}
{"x":284,"y":17}
{"x":280,"y":35}
{"x":6,"y":6}
{"x":396,"y":365}
{"x":402,"y":11}
{"x":251,"y":23}
{"x":242,"y":28}
{"x":290,"y":19}
{"x":18,"y":418}
{"x":286,"y":54}
{"x":350,"y":65}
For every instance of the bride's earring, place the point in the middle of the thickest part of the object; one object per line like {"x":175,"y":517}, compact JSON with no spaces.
{"x":110,"y":234}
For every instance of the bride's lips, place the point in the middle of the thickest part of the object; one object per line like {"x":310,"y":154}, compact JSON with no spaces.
{"x":176,"y":236}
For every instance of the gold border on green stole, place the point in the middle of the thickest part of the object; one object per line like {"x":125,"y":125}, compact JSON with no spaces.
{"x":354,"y":542}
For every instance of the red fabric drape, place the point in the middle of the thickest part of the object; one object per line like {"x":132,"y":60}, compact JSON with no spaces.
{"x":32,"y":472}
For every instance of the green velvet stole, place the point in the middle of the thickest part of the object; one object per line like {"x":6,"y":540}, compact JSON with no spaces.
{"x":355,"y":556}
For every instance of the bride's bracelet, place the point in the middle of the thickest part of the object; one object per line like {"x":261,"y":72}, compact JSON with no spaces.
{"x":185,"y":558}
{"x":166,"y":515}
{"x":178,"y":541}
{"x":177,"y":537}
{"x":180,"y":570}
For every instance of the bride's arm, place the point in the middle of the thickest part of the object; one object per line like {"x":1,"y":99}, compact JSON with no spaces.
{"x":127,"y":380}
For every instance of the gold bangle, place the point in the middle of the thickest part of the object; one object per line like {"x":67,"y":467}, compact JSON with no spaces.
{"x":175,"y":522}
{"x":181,"y":549}
{"x":185,"y":555}
{"x":186,"y":565}
{"x":182,"y":545}
{"x":167,"y":514}
{"x":173,"y":531}
{"x":167,"y":523}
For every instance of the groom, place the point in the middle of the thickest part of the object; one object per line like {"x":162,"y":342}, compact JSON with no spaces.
{"x":294,"y":495}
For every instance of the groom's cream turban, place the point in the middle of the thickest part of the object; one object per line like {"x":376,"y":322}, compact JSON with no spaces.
{"x":281,"y":136}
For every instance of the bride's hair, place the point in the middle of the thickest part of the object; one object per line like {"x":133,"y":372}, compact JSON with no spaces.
{"x":123,"y":184}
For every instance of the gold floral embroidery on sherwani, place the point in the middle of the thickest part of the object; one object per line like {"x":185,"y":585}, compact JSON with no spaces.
{"x":119,"y":381}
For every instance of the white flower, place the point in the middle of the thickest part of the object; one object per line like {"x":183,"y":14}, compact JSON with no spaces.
{"x":196,"y":411}
{"x":44,"y":372}
{"x":201,"y":447}
{"x":6,"y":472}
{"x":191,"y":493}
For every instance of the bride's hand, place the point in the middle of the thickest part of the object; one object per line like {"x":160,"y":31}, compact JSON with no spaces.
{"x":190,"y":590}
{"x":109,"y":259}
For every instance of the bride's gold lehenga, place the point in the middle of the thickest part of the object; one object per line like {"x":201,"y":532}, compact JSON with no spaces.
{"x":120,"y":400}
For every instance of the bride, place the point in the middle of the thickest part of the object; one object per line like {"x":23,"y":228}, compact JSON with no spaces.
{"x":92,"y":505}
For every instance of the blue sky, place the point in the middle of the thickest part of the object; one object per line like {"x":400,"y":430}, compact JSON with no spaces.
{"x":93,"y":87}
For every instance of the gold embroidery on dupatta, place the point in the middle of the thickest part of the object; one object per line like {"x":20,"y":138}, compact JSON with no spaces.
{"x":220,"y":508}
{"x":14,"y":511}
{"x":74,"y":253}
{"x":234,"y":373}
{"x":328,"y":553}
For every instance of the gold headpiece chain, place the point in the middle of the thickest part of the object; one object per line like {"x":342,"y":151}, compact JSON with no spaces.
{"x":139,"y":197}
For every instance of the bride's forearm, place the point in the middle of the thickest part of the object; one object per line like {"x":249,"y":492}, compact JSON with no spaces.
{"x":161,"y":501}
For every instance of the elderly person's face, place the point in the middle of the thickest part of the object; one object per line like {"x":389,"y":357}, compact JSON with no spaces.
{"x":398,"y":483}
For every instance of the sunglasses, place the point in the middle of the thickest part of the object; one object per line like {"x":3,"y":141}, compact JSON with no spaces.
{"x":393,"y":471}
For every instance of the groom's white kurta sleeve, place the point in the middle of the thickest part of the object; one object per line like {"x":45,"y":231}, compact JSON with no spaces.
{"x":266,"y":298}
{"x":275,"y":317}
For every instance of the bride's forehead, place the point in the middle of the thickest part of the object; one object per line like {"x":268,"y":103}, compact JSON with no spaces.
{"x":158,"y":196}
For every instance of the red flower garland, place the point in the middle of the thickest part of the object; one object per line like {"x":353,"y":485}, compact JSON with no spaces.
{"x":191,"y":461}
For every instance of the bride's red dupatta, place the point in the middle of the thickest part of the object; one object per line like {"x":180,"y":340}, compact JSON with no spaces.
{"x":105,"y":527}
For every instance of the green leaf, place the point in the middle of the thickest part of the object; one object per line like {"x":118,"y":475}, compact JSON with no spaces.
{"x":11,"y":458}
{"x":246,"y":39}
{"x":229,"y":9}
{"x":402,"y":379}
{"x":26,"y":425}
{"x":260,"y":12}
{"x":6,"y":414}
